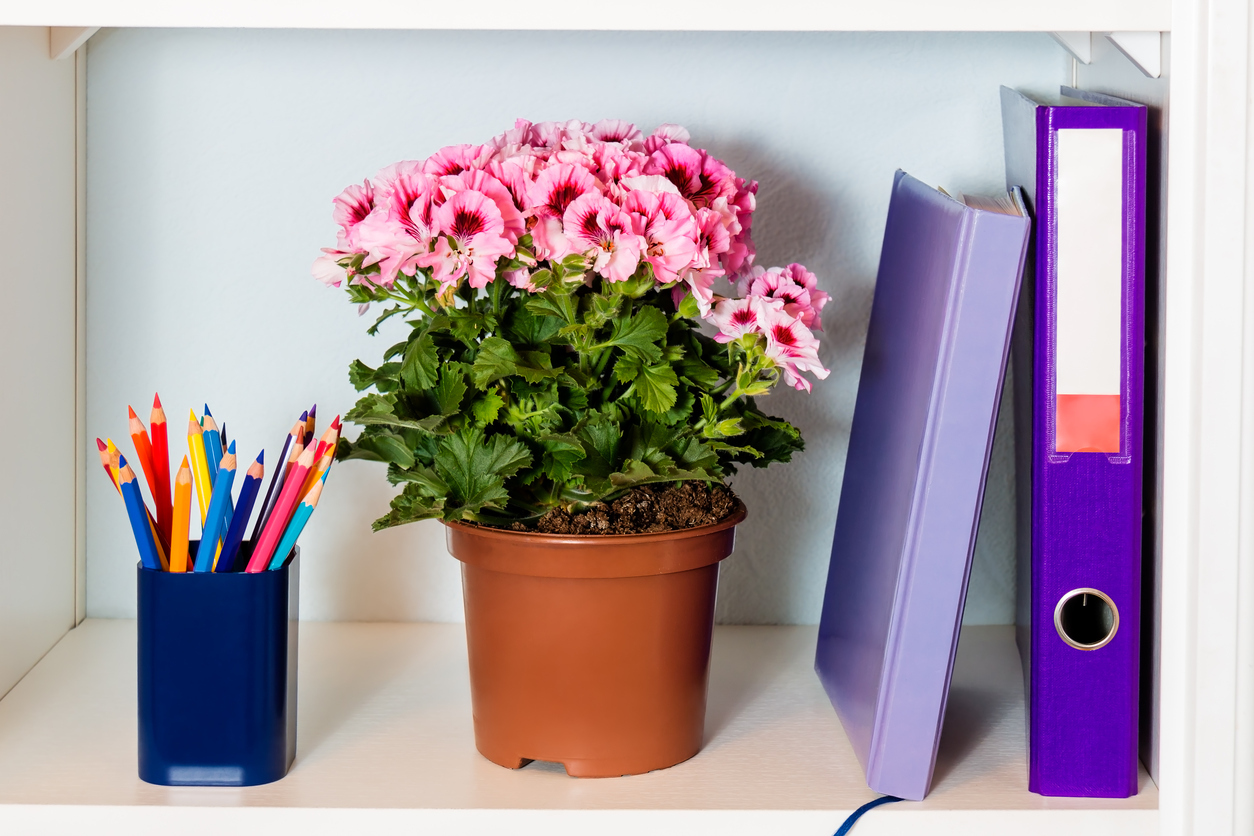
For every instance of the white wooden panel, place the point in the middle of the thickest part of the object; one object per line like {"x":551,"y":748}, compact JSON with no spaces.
{"x":781,"y":15}
{"x":386,"y":734}
{"x":37,"y":349}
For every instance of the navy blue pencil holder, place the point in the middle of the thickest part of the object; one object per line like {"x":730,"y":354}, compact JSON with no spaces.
{"x":217,"y":675}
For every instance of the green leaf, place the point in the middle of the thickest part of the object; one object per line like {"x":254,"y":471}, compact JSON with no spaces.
{"x":449,"y":392}
{"x":627,"y":368}
{"x":559,"y":305}
{"x":639,"y":334}
{"x":388,"y":447}
{"x":475,"y":469}
{"x":656,"y":387}
{"x":529,"y":329}
{"x":723,"y":429}
{"x":411,"y":505}
{"x":360,"y":375}
{"x":561,"y":451}
{"x":486,"y":408}
{"x":420,"y":368}
{"x":498,"y":359}
{"x":600,"y":440}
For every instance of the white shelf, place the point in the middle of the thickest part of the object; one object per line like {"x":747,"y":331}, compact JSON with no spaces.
{"x":385,"y":743}
{"x":674,"y":15}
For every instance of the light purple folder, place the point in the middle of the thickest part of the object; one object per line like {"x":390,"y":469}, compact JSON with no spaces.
{"x":1079,"y":513}
{"x":914,"y":476}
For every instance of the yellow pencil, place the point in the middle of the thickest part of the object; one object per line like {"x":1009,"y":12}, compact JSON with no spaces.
{"x":200,"y":464}
{"x":182,"y":518}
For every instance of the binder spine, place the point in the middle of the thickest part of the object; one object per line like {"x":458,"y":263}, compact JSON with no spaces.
{"x":1086,"y":512}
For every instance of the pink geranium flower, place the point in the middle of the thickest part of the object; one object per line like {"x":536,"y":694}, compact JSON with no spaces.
{"x":791,"y":345}
{"x":736,"y":317}
{"x":617,"y":130}
{"x":548,"y":198}
{"x":741,"y":251}
{"x":664,"y":135}
{"x":351,"y":207}
{"x":472,"y":240}
{"x":793,"y":285}
{"x":327,"y":269}
{"x":601,"y":230}
{"x":480,"y":181}
{"x":669,"y":229}
{"x":455,"y":159}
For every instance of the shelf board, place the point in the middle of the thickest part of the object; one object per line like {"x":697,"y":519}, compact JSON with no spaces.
{"x":385,"y":742}
{"x":644,"y":15}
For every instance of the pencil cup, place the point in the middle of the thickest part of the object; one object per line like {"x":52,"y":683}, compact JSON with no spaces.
{"x":217,"y":675}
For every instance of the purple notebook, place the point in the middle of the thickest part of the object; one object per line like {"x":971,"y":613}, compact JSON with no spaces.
{"x":914,"y":475}
{"x":1079,"y":401}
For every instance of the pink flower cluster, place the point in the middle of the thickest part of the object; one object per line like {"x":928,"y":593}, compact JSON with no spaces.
{"x":603,"y":191}
{"x":781,"y":304}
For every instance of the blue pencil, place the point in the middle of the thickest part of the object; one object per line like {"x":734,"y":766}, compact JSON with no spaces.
{"x":235,"y":533}
{"x":288,"y":541}
{"x":138,"y":513}
{"x":213,"y":445}
{"x":215,"y":517}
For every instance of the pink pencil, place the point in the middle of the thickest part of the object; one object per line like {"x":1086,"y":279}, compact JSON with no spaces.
{"x":283,"y":508}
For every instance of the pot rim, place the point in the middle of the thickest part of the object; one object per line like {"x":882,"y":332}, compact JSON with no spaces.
{"x":731,"y":521}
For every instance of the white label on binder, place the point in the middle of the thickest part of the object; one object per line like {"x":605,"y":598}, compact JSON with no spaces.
{"x":1090,"y":260}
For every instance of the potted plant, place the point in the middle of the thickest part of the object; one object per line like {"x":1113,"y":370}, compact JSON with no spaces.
{"x":572,"y":394}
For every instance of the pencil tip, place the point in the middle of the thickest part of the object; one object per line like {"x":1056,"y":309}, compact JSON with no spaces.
{"x":184,"y":464}
{"x":156,"y":401}
{"x":304,"y":416}
{"x":121,"y":461}
{"x":208,"y":414}
{"x":231,"y":449}
{"x":261,"y":457}
{"x":131,"y":410}
{"x":101,"y":445}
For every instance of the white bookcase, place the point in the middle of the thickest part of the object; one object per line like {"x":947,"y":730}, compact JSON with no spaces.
{"x":775,"y":760}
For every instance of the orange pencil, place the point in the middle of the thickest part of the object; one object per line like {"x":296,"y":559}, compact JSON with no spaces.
{"x":143,"y":450}
{"x":325,"y":445}
{"x":181,"y":518}
{"x":161,"y":466}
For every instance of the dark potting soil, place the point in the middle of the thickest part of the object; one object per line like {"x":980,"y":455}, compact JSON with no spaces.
{"x":645,"y":510}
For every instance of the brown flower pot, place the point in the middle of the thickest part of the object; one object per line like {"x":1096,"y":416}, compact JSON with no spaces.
{"x":590,"y":651}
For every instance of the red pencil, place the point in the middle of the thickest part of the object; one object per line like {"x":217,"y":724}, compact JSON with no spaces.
{"x":104,"y":462}
{"x":143,"y":450}
{"x":161,"y":467}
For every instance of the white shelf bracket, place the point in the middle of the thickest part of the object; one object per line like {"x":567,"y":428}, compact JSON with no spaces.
{"x":1144,"y":49}
{"x":64,"y":40}
{"x":1079,"y":44}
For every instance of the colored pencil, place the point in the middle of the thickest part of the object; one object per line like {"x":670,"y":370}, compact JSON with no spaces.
{"x":264,"y":548}
{"x":222,"y":435}
{"x":200,"y":468}
{"x":311,"y":424}
{"x":326,"y":444}
{"x":161,"y":466}
{"x":298,"y":449}
{"x":213,"y":445}
{"x":276,"y":479}
{"x":115,"y":465}
{"x":247,"y":497}
{"x":295,"y":527}
{"x":104,"y":462}
{"x":181,"y":518}
{"x":143,"y":452}
{"x":138,"y":514}
{"x":216,"y":516}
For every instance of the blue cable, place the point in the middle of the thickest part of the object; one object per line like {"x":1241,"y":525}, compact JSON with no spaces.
{"x":857,"y":814}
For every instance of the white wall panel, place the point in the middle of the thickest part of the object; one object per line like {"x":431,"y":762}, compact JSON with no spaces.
{"x":214,"y":155}
{"x":37,"y":349}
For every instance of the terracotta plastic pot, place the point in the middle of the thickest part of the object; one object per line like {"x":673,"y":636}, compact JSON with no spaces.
{"x":590,"y":651}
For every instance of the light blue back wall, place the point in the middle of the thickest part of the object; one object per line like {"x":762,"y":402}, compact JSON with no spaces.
{"x":213,"y":157}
